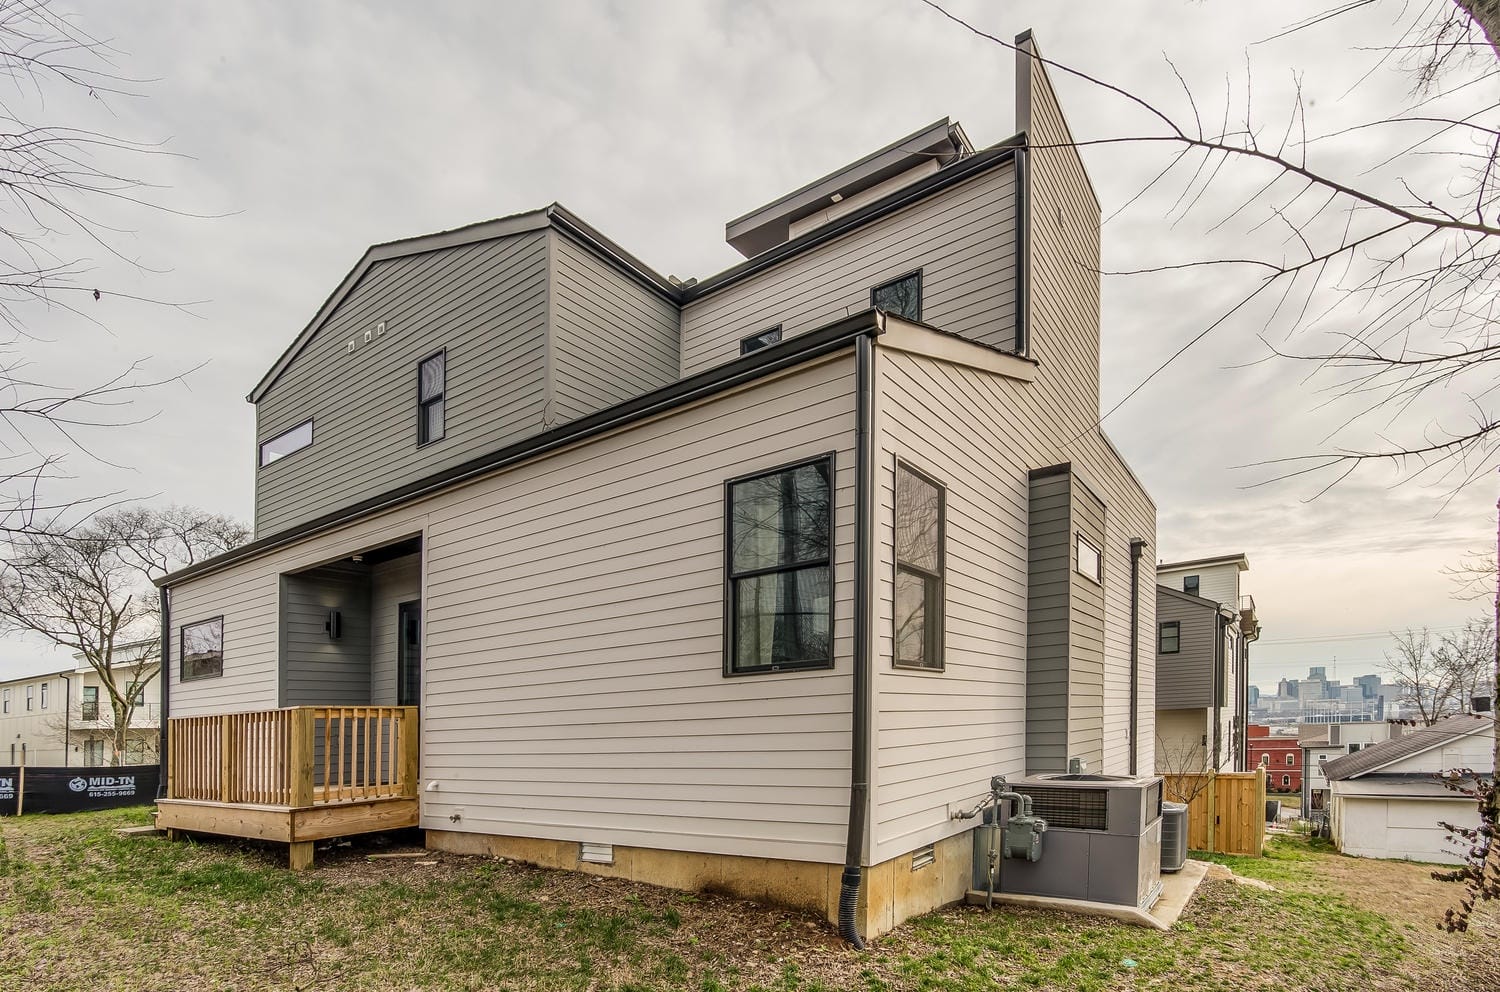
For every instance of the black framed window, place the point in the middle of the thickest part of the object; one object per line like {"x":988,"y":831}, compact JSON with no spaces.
{"x":755,"y":342}
{"x":1088,"y":560}
{"x":902,"y":297}
{"x":409,"y":654}
{"x":432,"y":388}
{"x":1190,"y":584}
{"x":779,"y":564}
{"x":44,"y":695}
{"x":286,"y":443}
{"x":919,"y":614}
{"x":90,"y":708}
{"x":1169,"y":637}
{"x":201,"y":649}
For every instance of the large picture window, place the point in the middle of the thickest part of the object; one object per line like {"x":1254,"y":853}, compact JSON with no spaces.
{"x":432,"y":389}
{"x":286,"y":443}
{"x":202,"y":649}
{"x":779,"y":558}
{"x":920,"y":506}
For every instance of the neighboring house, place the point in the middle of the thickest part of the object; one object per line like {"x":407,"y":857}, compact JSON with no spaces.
{"x":1324,"y":742}
{"x":1279,"y":755}
{"x":1387,"y":800}
{"x":90,"y":720}
{"x":64,"y":718}
{"x":748,"y":582}
{"x":1204,"y":628}
{"x":30,"y":710}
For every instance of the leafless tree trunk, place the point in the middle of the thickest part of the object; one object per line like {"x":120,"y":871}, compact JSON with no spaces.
{"x":89,"y":590}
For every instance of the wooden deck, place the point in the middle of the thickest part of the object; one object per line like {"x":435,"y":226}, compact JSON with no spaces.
{"x":293,"y":776}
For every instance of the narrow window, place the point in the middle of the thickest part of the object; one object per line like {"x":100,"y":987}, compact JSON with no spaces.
{"x":5,"y":701}
{"x":1289,"y":760}
{"x":90,"y":707}
{"x":919,"y":570}
{"x":755,"y":342}
{"x":1265,"y":761}
{"x":432,"y":386}
{"x":1090,"y":560}
{"x":29,"y":693}
{"x":902,"y":297}
{"x":1286,"y":780}
{"x":409,"y":654}
{"x":779,"y":556}
{"x":44,"y":695}
{"x":286,"y":443}
{"x":1169,"y":637}
{"x":1190,"y":584}
{"x":93,"y":753}
{"x":202,"y":649}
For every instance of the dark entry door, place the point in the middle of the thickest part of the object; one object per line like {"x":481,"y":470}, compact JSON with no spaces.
{"x":409,"y":654}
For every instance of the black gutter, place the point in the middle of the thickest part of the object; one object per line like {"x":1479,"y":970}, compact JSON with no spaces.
{"x":945,"y":177}
{"x":1023,"y":250}
{"x":859,"y":744}
{"x":165,"y":675}
{"x":1137,"y":547}
{"x":760,"y":364}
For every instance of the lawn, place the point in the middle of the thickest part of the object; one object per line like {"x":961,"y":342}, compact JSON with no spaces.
{"x":81,"y":908}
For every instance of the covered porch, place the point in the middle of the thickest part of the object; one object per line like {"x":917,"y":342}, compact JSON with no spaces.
{"x":294,"y":775}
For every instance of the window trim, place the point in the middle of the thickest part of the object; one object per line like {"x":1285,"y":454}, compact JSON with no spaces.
{"x":901,"y":278}
{"x":422,"y":440}
{"x":4,"y":702}
{"x":942,"y":574}
{"x":30,"y":698}
{"x":1161,"y":628}
{"x":1286,"y":781}
{"x":44,"y":694}
{"x":729,"y":671}
{"x":1290,"y":761}
{"x":776,"y":329}
{"x":1080,"y":538}
{"x":260,"y":448}
{"x":1197,"y":585}
{"x":182,"y":675}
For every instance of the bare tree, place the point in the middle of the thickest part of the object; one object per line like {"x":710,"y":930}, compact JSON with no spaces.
{"x":1467,"y":660}
{"x":58,"y":187}
{"x":89,"y":590}
{"x":136,"y":665}
{"x":1422,"y":678}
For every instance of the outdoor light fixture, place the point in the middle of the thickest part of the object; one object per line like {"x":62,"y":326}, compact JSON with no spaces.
{"x":334,"y":625}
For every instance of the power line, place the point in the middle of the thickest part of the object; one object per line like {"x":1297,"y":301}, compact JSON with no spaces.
{"x":1333,"y":638}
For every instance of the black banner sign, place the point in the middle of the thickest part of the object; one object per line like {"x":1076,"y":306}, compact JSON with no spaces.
{"x":74,"y":790}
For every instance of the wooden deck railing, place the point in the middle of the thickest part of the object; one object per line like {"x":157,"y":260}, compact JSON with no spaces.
{"x":295,"y":757}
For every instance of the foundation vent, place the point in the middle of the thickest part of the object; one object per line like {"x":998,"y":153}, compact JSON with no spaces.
{"x":922,"y":857}
{"x":596,"y":854}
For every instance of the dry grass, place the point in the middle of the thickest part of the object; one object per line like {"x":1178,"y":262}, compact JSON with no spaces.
{"x":83,"y":909}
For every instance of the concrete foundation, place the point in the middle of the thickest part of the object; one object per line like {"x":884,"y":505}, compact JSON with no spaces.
{"x":893,"y":891}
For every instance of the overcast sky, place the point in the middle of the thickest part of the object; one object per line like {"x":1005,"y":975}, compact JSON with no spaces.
{"x":299,"y":133}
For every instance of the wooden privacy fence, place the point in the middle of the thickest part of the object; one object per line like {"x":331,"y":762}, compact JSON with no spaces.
{"x":295,"y":757}
{"x":1226,"y":812}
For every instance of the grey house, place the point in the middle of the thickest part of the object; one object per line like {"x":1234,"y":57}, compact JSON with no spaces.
{"x":747,"y":581}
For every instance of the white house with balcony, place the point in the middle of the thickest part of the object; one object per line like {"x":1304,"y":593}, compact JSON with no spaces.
{"x":63,"y":718}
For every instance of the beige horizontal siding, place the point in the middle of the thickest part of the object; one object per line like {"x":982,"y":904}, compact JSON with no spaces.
{"x":962,"y":238}
{"x":573,"y":624}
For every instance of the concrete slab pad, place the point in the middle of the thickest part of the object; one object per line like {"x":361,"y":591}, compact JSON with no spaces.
{"x":1177,"y":892}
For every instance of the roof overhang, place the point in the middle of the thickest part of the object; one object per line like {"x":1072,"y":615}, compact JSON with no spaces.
{"x":1233,"y":559}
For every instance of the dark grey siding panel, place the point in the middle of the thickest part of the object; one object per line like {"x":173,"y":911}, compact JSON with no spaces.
{"x":612,"y":338}
{"x":1185,"y":679}
{"x":1048,"y":587}
{"x":391,"y":584}
{"x":317,"y":670}
{"x":1086,"y":636}
{"x":486,"y":303}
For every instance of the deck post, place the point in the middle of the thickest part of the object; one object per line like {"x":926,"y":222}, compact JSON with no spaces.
{"x":410,"y":741}
{"x":300,"y":855}
{"x":225,"y":759}
{"x":301,"y":764}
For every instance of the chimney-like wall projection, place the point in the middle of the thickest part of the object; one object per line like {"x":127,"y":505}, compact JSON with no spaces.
{"x":1065,"y":623}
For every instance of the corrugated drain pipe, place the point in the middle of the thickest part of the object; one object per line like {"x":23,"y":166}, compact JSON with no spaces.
{"x":859,"y":745}
{"x":1137,"y":547}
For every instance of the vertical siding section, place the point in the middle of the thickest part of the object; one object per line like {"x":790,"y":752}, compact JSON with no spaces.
{"x":1086,"y":635}
{"x":574,"y":638}
{"x":486,"y":303}
{"x":317,"y":670}
{"x":612,"y":338}
{"x":1049,"y":589}
{"x":391,"y":583}
{"x":963,"y":240}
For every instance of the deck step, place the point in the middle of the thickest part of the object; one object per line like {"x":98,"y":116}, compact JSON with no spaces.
{"x":147,"y":831}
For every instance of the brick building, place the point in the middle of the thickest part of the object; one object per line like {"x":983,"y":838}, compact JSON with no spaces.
{"x":1281,"y":756}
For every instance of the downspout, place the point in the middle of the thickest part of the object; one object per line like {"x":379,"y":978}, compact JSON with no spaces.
{"x":165,"y":677}
{"x":1137,"y":548}
{"x":859,"y":744}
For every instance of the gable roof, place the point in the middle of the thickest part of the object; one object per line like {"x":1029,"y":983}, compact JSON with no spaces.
{"x":1387,"y":753}
{"x":1186,"y":597}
